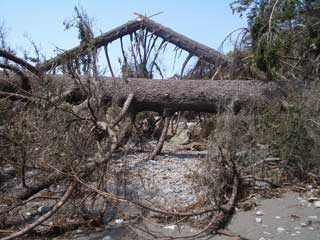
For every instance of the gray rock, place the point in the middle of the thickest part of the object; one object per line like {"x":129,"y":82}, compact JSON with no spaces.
{"x":43,"y":209}
{"x":182,"y":137}
{"x":316,"y":204}
{"x":107,"y":238}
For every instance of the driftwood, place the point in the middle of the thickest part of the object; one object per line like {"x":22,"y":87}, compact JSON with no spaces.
{"x":194,"y":48}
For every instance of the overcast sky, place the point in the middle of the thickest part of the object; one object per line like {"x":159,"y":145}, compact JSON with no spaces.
{"x":206,"y":21}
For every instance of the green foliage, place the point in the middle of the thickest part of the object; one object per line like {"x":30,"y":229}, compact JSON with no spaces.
{"x":283,"y":35}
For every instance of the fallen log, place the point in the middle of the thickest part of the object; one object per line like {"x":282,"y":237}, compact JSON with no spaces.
{"x":192,"y":95}
{"x":180,"y":95}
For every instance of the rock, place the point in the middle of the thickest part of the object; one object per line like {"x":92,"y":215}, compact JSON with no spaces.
{"x":316,"y":204}
{"x":43,"y":209}
{"x":259,"y":220}
{"x":109,"y":214}
{"x":28,"y":214}
{"x":107,"y":238}
{"x":313,"y":199}
{"x":277,"y":217}
{"x":171,"y":227}
{"x":303,"y":224}
{"x":182,"y":137}
{"x":313,"y":217}
{"x":259,"y":213}
{"x":280,"y":229}
{"x":119,"y":221}
{"x":261,"y":185}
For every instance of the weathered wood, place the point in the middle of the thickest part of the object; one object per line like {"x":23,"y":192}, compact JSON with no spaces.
{"x":167,"y":34}
{"x":208,"y":54}
{"x":97,"y":42}
{"x":185,"y":95}
{"x":192,"y":95}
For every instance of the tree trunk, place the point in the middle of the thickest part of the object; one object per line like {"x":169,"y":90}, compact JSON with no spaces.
{"x":192,"y":95}
{"x":184,"y":95}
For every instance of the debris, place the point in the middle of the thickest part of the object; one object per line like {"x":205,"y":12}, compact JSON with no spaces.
{"x":280,"y":229}
{"x":316,"y":204}
{"x":43,"y":209}
{"x":303,"y":224}
{"x":107,"y":238}
{"x":259,"y":213}
{"x":171,"y":227}
{"x":119,"y":221}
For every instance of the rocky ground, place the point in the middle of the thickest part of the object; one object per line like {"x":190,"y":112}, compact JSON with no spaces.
{"x":170,"y":182}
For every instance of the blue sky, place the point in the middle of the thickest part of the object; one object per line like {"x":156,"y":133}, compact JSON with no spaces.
{"x":206,"y":21}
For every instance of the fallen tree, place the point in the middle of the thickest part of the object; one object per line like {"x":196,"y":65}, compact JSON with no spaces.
{"x":179,"y":95}
{"x":194,"y":48}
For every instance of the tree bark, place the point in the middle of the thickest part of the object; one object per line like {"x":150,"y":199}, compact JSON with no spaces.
{"x":192,"y":95}
{"x":184,"y":95}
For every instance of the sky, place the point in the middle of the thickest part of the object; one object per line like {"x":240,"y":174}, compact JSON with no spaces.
{"x":206,"y":21}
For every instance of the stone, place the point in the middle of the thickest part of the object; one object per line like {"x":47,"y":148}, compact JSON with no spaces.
{"x":313,"y":199}
{"x":303,"y":224}
{"x":171,"y":227}
{"x":43,"y":209}
{"x":107,"y":238}
{"x":259,"y":220}
{"x":316,"y":204}
{"x":280,"y":229}
{"x":119,"y":221}
{"x":182,"y":137}
{"x":259,"y":213}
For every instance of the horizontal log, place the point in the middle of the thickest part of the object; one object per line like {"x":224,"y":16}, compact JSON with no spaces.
{"x":181,"y":95}
{"x":192,"y":95}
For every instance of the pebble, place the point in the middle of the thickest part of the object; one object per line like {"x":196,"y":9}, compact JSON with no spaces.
{"x":107,"y":238}
{"x":303,"y":224}
{"x":313,"y":217}
{"x":316,"y":204}
{"x":280,"y":229}
{"x":43,"y":209}
{"x":259,"y":213}
{"x":277,"y":217}
{"x":119,"y":221}
{"x":171,"y":227}
{"x":312,"y":199}
{"x":259,"y":220}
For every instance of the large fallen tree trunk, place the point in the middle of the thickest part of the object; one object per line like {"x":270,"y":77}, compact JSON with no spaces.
{"x":191,"y":95}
